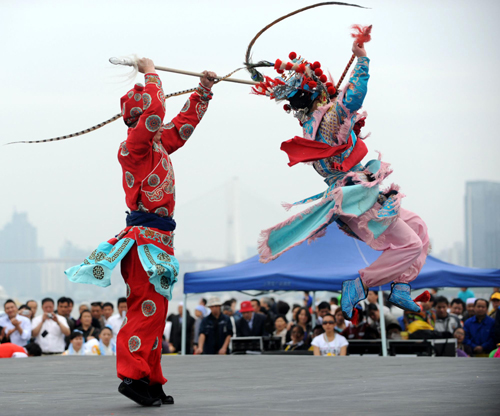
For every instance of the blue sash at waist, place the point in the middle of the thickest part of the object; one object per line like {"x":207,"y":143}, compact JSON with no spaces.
{"x":149,"y":220}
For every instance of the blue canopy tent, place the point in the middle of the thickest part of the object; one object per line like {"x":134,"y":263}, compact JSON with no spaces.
{"x":324,"y":265}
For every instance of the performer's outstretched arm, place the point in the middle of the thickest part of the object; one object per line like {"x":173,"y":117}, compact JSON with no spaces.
{"x":140,"y":137}
{"x":177,"y":132}
{"x":358,"y":83}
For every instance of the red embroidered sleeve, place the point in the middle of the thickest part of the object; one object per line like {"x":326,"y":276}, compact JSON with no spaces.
{"x":140,"y":138}
{"x":178,"y":131}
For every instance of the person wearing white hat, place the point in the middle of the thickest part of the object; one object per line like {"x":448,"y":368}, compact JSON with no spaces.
{"x":215,"y":330}
{"x":470,"y":312}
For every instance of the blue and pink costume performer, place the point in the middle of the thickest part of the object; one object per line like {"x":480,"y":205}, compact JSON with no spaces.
{"x":145,"y":247}
{"x":332,"y":144}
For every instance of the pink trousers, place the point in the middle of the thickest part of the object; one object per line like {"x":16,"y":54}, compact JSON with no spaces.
{"x":404,"y":244}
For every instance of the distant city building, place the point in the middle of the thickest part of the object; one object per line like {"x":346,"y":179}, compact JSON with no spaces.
{"x":454,"y":255}
{"x":482,"y":224}
{"x":18,"y":248}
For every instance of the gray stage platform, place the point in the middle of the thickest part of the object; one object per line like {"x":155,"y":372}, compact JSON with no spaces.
{"x":258,"y":385}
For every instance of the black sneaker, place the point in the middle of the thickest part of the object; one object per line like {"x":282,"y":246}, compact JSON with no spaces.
{"x":137,"y":390}
{"x":156,"y":391}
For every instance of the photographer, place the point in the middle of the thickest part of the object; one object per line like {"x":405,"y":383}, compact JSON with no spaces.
{"x":49,"y":329}
{"x":16,"y":327}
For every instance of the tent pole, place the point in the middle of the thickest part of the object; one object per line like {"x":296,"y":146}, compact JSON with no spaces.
{"x":313,"y":321}
{"x":382,"y":321}
{"x":183,"y":327}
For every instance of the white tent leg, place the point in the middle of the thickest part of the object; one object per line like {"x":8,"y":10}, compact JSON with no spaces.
{"x":183,"y":327}
{"x":313,"y":320}
{"x":382,"y":321}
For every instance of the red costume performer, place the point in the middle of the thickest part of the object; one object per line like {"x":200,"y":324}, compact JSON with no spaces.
{"x":145,"y":247}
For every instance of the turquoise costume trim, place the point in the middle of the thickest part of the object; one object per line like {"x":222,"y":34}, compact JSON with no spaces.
{"x":356,"y":200}
{"x":96,"y":269}
{"x":162,"y":268}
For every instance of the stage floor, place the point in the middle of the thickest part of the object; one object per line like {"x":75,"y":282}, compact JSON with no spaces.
{"x":258,"y":385}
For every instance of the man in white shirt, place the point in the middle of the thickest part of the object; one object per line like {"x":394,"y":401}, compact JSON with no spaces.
{"x":107,"y":311}
{"x":16,"y":327}
{"x":116,"y":321}
{"x":50,"y":328}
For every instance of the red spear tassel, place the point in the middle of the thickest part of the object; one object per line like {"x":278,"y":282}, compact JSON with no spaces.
{"x":423,"y":297}
{"x":355,"y":317}
{"x":362,"y":34}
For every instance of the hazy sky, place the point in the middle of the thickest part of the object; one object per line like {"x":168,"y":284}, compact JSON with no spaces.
{"x":433,"y":101}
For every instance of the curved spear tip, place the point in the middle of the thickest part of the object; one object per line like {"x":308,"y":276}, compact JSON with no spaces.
{"x":121,"y":61}
{"x":115,"y":61}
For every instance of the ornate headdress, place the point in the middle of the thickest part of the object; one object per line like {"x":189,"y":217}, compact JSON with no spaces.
{"x":301,"y":85}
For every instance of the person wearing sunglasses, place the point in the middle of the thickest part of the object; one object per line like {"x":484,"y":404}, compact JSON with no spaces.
{"x":329,"y":343}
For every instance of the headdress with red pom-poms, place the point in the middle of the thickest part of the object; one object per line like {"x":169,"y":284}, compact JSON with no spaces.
{"x":303,"y":83}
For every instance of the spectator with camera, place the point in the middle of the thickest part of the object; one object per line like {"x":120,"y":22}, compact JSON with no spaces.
{"x":49,"y":329}
{"x":25,"y":311}
{"x":16,"y":328}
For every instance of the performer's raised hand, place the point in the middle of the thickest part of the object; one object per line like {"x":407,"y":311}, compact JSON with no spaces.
{"x":357,"y":50}
{"x":208,"y":79}
{"x":146,"y":66}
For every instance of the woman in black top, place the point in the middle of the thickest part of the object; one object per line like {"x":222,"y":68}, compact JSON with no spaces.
{"x":86,"y":327}
{"x":297,"y":343}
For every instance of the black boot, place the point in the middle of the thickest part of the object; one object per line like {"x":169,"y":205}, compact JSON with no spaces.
{"x":138,"y":391}
{"x":156,"y":391}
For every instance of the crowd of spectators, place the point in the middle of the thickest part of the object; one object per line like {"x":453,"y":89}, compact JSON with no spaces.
{"x":474,"y":323}
{"x":54,"y":331}
{"x":321,"y":328}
